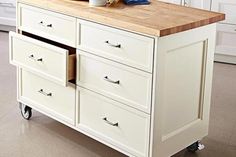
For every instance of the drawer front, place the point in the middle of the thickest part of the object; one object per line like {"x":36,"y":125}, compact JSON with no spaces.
{"x":122,"y":126}
{"x":121,"y":46}
{"x":53,"y":99}
{"x":50,"y":25}
{"x":119,"y":82}
{"x":42,"y":58}
{"x":228,"y":7}
{"x":226,"y":39}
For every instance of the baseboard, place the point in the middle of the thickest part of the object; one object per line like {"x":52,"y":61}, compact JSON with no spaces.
{"x":5,"y":28}
{"x":225,"y":58}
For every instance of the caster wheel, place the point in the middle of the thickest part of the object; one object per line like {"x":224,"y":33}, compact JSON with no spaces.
{"x":26,"y":111}
{"x":195,"y":146}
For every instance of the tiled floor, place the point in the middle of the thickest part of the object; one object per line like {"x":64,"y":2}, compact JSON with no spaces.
{"x":44,"y":137}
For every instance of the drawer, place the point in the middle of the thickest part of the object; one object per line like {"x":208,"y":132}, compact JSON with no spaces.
{"x":43,"y":59}
{"x":115,"y":123}
{"x":226,"y":39}
{"x":228,"y":7}
{"x":47,"y":96}
{"x":50,"y":25}
{"x":120,"y":46}
{"x":119,"y":82}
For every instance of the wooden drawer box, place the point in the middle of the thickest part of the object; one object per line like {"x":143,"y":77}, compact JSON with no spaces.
{"x":47,"y":96}
{"x":121,"y":46}
{"x":41,"y":58}
{"x":119,"y":82}
{"x":47,"y":24}
{"x":125,"y":127}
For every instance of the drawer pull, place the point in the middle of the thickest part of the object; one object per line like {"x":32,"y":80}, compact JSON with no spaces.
{"x":110,"y":123}
{"x":44,"y":93}
{"x":117,"y":46}
{"x":33,"y":58}
{"x":41,"y":23}
{"x":111,"y":81}
{"x":49,"y":25}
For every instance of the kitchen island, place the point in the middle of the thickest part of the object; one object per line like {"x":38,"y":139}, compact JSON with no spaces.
{"x":136,"y":78}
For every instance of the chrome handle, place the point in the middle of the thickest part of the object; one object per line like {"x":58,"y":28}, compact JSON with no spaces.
{"x":44,"y":93}
{"x":111,"y":81}
{"x":110,"y":123}
{"x":49,"y":25}
{"x":40,"y":60}
{"x":33,"y":58}
{"x":10,"y":5}
{"x":42,"y":24}
{"x":117,"y":46}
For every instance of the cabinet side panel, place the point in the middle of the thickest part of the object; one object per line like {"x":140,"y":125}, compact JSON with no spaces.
{"x":182,"y":92}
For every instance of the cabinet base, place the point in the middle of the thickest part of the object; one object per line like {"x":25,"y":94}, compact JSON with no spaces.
{"x":225,"y":58}
{"x":6,"y":28}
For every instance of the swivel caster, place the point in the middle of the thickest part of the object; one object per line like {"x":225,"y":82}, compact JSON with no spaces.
{"x":26,"y":111}
{"x":195,"y":146}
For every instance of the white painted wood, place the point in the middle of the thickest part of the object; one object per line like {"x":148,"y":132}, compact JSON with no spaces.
{"x":134,"y":88}
{"x":226,"y":31}
{"x":228,"y":7}
{"x":132,"y":131}
{"x":183,"y":80}
{"x":172,"y":1}
{"x":22,"y":48}
{"x":93,"y":38}
{"x":57,"y":116}
{"x":8,"y":12}
{"x":225,"y":43}
{"x":37,"y":21}
{"x":60,"y":104}
{"x":200,"y":4}
{"x":224,"y":58}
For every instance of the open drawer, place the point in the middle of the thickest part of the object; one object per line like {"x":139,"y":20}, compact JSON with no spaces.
{"x":49,"y":61}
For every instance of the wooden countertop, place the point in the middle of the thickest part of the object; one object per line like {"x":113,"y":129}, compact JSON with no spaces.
{"x":157,"y":19}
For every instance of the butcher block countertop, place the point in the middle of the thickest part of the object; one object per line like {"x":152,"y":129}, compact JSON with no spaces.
{"x":156,"y":19}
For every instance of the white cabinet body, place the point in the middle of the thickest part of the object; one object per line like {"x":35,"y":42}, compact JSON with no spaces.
{"x":172,"y":1}
{"x":200,"y":4}
{"x":145,"y":96}
{"x":226,"y":31}
{"x":8,"y":12}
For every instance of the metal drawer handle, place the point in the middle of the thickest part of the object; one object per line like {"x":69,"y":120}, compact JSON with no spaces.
{"x":33,"y":58}
{"x":117,"y":46}
{"x":49,"y":25}
{"x":42,"y":23}
{"x":110,"y":123}
{"x":111,"y":81}
{"x":44,"y":93}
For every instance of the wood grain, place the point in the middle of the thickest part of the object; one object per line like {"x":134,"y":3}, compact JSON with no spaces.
{"x":156,"y":19}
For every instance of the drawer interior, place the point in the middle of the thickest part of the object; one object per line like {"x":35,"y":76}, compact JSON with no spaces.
{"x":71,"y":57}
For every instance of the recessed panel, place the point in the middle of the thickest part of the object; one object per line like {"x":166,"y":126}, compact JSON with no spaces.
{"x":182,"y":87}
